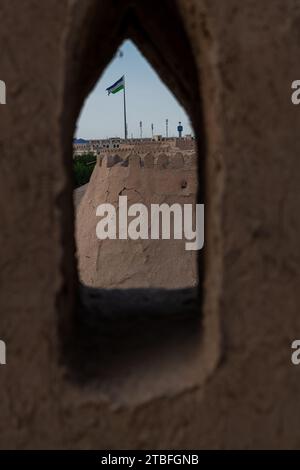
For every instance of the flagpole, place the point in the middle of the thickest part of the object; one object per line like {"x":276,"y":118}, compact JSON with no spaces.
{"x":125,"y":120}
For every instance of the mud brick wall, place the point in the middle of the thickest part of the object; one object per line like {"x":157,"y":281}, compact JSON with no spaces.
{"x":231,"y":65}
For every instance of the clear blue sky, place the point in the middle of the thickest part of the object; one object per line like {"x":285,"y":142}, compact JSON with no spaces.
{"x":147,"y":100}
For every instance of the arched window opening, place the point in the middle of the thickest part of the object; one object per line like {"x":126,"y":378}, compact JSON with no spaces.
{"x":119,"y":333}
{"x":135,"y":207}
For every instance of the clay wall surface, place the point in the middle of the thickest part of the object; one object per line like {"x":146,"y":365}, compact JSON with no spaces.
{"x":162,"y":179}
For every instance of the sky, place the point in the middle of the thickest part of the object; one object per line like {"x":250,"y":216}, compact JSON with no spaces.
{"x":147,"y":100}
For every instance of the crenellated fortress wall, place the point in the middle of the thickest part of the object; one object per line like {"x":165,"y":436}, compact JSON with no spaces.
{"x":155,"y":159}
{"x":151,"y":178}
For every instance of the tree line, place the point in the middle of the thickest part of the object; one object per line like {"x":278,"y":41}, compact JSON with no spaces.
{"x":83,"y":166}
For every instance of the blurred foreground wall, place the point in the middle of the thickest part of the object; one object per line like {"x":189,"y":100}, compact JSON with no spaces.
{"x":231,"y":64}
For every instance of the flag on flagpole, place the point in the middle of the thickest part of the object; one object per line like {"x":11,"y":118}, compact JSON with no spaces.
{"x":117,"y":86}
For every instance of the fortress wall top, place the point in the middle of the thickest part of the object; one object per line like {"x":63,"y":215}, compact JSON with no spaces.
{"x":149,"y":159}
{"x":147,"y":177}
{"x":185,"y":144}
{"x":137,"y":149}
{"x":159,"y":161}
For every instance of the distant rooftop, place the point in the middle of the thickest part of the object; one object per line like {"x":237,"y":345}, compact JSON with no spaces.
{"x":80,"y":141}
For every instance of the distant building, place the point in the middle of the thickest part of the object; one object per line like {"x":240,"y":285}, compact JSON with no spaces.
{"x":98,"y":146}
{"x":81,"y":146}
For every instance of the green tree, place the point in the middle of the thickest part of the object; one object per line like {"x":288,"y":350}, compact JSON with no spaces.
{"x":83,"y":166}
